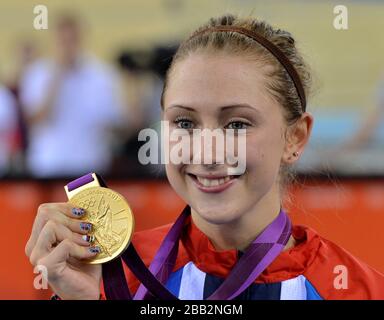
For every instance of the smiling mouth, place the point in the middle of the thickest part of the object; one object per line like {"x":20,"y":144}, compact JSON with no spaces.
{"x":213,"y":183}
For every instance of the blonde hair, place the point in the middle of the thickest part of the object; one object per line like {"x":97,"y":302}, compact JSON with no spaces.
{"x":279,"y":82}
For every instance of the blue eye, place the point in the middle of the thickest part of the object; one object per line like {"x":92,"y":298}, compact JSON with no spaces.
{"x":184,"y":123}
{"x":237,"y":125}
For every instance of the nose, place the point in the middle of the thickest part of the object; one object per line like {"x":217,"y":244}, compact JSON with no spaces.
{"x":208,"y":147}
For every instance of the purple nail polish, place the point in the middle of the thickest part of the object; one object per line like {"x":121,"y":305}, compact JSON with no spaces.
{"x":86,"y":226}
{"x":78,"y":212}
{"x":94,"y":249}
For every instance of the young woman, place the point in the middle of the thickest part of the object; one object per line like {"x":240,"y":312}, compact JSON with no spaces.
{"x":230,"y":74}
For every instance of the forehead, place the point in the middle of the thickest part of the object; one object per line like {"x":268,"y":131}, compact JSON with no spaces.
{"x":216,"y":79}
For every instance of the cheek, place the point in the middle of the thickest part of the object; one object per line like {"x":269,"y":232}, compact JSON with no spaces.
{"x":176,"y":179}
{"x":173,"y":174}
{"x":264,"y":155}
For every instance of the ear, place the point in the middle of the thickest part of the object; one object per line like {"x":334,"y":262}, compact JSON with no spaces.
{"x":296,"y":137}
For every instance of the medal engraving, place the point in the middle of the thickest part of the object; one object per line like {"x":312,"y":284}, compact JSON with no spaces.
{"x":111,"y":217}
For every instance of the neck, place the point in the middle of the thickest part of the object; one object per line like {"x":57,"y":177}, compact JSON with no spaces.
{"x":238,"y":234}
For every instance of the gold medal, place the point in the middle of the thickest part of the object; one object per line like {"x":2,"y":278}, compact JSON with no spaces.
{"x":110,"y":215}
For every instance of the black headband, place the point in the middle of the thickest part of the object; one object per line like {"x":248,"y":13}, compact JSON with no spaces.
{"x":280,"y":56}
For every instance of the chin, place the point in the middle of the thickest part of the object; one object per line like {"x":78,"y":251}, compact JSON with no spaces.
{"x":216,"y":214}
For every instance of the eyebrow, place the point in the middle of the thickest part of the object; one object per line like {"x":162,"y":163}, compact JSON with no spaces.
{"x":222,"y":108}
{"x":180,"y":106}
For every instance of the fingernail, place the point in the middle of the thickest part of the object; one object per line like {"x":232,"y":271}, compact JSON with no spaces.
{"x":88,"y":238}
{"x":86,"y":226}
{"x":78,"y":212}
{"x":94,"y":249}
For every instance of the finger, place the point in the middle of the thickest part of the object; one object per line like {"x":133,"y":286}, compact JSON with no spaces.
{"x":58,"y":212}
{"x":66,"y":250}
{"x":68,"y":209}
{"x":53,"y":233}
{"x":65,"y":208}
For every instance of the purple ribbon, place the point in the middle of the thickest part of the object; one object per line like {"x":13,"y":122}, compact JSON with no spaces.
{"x":252,"y":263}
{"x":80,"y":182}
{"x":258,"y":256}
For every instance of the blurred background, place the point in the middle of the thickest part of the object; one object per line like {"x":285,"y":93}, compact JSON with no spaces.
{"x":73,"y":98}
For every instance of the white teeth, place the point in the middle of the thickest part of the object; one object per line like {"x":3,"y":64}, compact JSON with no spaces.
{"x":213,"y":182}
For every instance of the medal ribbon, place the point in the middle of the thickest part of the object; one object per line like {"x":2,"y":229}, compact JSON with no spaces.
{"x":257,"y":257}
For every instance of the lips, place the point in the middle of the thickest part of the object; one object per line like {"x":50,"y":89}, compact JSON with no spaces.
{"x":210,"y":183}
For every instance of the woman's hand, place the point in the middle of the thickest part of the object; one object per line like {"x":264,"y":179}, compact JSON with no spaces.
{"x":59,"y":242}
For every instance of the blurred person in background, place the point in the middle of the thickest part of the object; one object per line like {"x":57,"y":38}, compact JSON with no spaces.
{"x":25,"y":53}
{"x":142,"y":77}
{"x":72,"y":105}
{"x":8,"y":124}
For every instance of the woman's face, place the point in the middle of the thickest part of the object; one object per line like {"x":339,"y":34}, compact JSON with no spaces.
{"x":225,"y":91}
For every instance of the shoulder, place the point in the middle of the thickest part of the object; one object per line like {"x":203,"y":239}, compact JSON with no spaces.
{"x":37,"y":74}
{"x":40,"y":66}
{"x":6,"y":97}
{"x":95,"y":66}
{"x":338,"y":274}
{"x":7,"y":109}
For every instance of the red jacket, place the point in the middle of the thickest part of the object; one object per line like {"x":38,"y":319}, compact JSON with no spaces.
{"x":309,"y":270}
